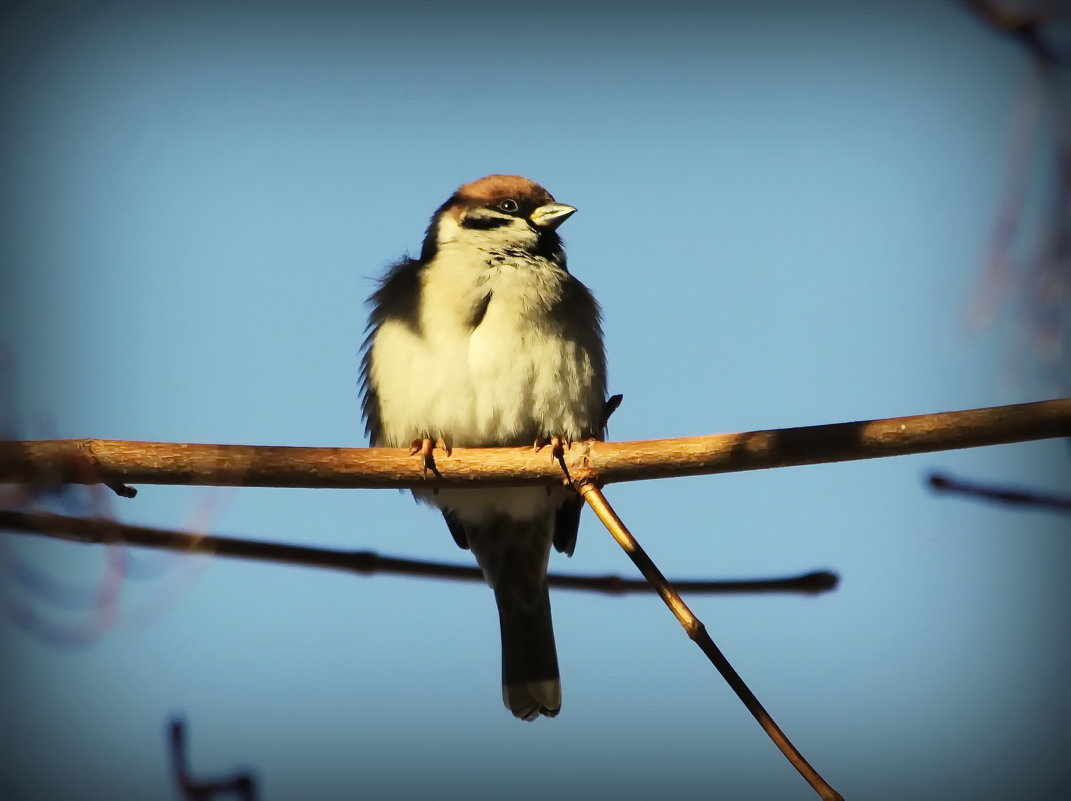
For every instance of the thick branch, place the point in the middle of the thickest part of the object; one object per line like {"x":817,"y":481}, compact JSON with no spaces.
{"x":112,"y":532}
{"x":114,"y":462}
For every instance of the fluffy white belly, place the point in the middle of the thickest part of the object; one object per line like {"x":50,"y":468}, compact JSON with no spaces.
{"x":507,"y":382}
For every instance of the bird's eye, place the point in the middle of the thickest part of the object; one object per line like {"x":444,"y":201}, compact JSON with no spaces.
{"x":509,"y":205}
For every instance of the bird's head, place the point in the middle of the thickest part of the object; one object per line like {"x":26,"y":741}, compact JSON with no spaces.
{"x":498,"y":212}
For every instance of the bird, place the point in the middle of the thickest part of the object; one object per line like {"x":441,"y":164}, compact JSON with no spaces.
{"x":486,"y":339}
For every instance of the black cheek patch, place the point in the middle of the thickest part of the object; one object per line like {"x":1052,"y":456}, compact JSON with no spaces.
{"x":483,"y":223}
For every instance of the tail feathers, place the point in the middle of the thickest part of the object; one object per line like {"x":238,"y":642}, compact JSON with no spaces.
{"x":530,"y":700}
{"x":530,"y":684}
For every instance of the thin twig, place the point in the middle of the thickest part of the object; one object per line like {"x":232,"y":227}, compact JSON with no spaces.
{"x":242,"y":785}
{"x":87,"y":461}
{"x":1003,"y":495}
{"x":698,"y":633}
{"x":112,"y":532}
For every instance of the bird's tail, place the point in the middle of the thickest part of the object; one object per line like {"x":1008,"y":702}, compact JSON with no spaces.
{"x":530,"y":683}
{"x":513,"y":555}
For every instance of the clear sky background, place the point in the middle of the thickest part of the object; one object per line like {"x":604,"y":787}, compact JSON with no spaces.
{"x":784,"y":209}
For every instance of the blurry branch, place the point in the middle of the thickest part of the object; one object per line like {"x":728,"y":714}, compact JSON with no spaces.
{"x":47,"y":463}
{"x":241,"y":785}
{"x":111,"y":532}
{"x":1002,"y":495}
{"x":1025,"y":26}
{"x":1033,"y":262}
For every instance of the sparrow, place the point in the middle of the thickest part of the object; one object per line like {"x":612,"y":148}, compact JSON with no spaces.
{"x":485,"y":340}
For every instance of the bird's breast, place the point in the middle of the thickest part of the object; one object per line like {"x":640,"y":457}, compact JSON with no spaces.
{"x":502,"y":376}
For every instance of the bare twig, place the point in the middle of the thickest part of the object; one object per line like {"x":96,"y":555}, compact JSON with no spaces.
{"x":86,"y":461}
{"x":242,"y":785}
{"x":1003,"y":495}
{"x":698,"y":633}
{"x":364,"y":562}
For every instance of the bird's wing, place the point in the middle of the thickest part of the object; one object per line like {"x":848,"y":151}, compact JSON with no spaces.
{"x":396,"y":298}
{"x":457,"y":528}
{"x":581,"y":319}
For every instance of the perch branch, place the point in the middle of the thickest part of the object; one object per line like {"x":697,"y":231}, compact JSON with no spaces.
{"x":112,"y":532}
{"x":114,"y":462}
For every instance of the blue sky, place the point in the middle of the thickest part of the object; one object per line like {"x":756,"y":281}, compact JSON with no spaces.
{"x":784,"y":212}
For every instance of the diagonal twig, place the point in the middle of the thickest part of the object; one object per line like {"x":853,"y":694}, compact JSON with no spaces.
{"x":698,"y":633}
{"x":101,"y":531}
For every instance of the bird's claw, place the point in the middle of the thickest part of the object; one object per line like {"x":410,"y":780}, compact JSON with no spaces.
{"x":425,"y":447}
{"x":557,"y":444}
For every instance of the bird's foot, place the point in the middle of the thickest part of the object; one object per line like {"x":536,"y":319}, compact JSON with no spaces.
{"x":425,"y":447}
{"x":557,"y":444}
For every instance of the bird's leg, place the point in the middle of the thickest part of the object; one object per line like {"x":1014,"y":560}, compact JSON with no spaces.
{"x":425,"y":447}
{"x":558,"y":444}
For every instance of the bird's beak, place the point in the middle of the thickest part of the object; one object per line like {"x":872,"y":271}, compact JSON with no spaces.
{"x":551,"y":215}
